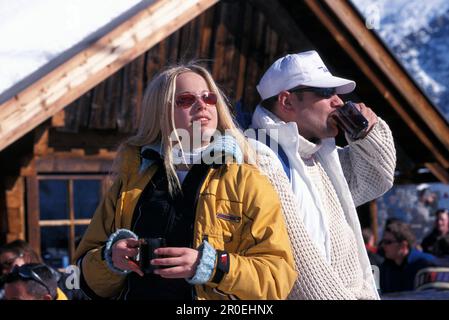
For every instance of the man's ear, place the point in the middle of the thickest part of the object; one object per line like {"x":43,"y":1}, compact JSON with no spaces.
{"x":47,"y":297}
{"x":404,"y":244}
{"x":284,"y":102}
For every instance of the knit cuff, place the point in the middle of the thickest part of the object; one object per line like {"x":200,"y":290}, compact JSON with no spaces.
{"x":206,"y":266}
{"x":116,"y":236}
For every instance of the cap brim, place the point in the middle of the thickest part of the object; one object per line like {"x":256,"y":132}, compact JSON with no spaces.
{"x":342,"y":85}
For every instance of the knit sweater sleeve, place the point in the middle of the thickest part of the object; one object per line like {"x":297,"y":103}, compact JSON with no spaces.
{"x":369,"y":163}
{"x":316,"y":278}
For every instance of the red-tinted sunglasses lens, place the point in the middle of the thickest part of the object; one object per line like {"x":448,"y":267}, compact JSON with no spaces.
{"x":186,"y":100}
{"x":209,"y":98}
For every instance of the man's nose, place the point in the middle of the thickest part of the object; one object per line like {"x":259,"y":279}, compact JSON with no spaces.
{"x":336,"y":102}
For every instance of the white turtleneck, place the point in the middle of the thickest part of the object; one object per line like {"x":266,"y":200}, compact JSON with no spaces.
{"x":186,"y":157}
{"x":311,"y":207}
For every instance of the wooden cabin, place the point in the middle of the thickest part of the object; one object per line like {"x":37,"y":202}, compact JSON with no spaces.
{"x":59,"y":131}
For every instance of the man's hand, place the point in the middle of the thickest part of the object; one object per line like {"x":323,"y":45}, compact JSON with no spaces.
{"x":369,"y":115}
{"x":183,"y":261}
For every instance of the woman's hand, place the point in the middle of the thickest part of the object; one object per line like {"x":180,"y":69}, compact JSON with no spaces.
{"x":183,"y":261}
{"x":122,"y":252}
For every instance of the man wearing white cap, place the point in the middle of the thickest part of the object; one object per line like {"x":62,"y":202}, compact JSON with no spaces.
{"x":324,"y":183}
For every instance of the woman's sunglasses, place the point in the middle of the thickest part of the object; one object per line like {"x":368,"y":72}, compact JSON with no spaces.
{"x":186,"y":100}
{"x":321,"y":92}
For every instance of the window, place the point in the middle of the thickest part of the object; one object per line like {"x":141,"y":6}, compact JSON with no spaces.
{"x":66,"y":205}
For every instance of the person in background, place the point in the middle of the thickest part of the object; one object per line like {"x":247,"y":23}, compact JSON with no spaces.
{"x":20,"y":252}
{"x":422,"y":217}
{"x":441,"y":250}
{"x":441,"y":229}
{"x":402,"y":259}
{"x":32,"y":281}
{"x":17,"y":253}
{"x":368,"y":238}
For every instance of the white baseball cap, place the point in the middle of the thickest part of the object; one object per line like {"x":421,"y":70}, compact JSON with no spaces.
{"x":304,"y":68}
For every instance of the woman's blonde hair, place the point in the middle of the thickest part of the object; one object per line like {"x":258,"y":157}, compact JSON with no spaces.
{"x":156,"y":122}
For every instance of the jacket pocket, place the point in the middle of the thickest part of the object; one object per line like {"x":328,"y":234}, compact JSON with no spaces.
{"x":229,"y":219}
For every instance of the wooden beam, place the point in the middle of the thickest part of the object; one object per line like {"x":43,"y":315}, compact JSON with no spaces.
{"x":438,"y":171}
{"x":32,"y":196}
{"x":85,"y":139}
{"x":15,"y":208}
{"x":63,"y":222}
{"x":86,"y":69}
{"x":383,"y":59}
{"x":70,"y":163}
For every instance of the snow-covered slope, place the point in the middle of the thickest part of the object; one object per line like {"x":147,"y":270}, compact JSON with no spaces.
{"x":417,"y":32}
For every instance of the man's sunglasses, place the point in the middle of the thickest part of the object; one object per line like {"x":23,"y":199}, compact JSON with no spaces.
{"x":387,"y":242}
{"x":186,"y":100}
{"x":321,"y":92}
{"x":31,"y":272}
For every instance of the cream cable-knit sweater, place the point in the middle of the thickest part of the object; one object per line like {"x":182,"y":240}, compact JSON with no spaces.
{"x":342,"y":279}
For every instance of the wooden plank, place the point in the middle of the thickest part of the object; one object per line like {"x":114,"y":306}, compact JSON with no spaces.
{"x":71,"y":176}
{"x":283,"y":23}
{"x":88,"y":68}
{"x":375,"y":50}
{"x":15,"y":208}
{"x":58,"y":120}
{"x":187,"y":42}
{"x":206,"y":24}
{"x":132,"y":92}
{"x":113,"y":96}
{"x":41,"y":139}
{"x":70,"y":201}
{"x":438,"y":171}
{"x":255,"y":66}
{"x":231,"y":59}
{"x":155,"y":59}
{"x":32,"y":198}
{"x":63,"y":222}
{"x":98,"y":107}
{"x":85,"y":138}
{"x":219,"y":67}
{"x":63,"y":163}
{"x":245,"y":36}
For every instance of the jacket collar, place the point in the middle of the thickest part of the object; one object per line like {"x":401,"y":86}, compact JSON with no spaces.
{"x":223,"y":146}
{"x":288,"y":134}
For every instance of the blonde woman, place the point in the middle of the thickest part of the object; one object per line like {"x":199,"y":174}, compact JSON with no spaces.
{"x":224,"y":234}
